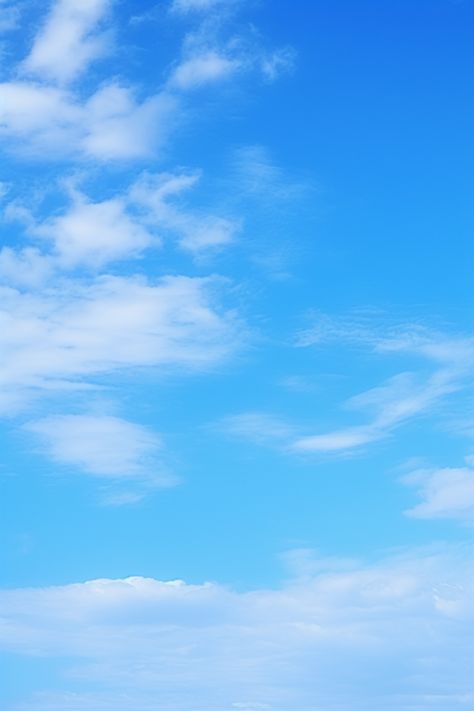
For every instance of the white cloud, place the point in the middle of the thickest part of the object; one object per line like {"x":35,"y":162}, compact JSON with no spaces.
{"x":109,"y":125}
{"x":394,"y":407}
{"x":396,"y":634}
{"x":29,"y":109}
{"x":202,"y":233}
{"x":203,"y":69}
{"x":69,"y":40}
{"x":396,"y":401}
{"x":445,"y":493}
{"x":95,"y":234}
{"x":103,"y":446}
{"x":79,"y":330}
{"x":205,"y":62}
{"x":119,"y":127}
{"x":209,"y":57}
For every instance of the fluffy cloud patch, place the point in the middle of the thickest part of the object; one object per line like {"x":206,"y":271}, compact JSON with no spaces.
{"x":95,"y":234}
{"x":103,"y":446}
{"x":109,"y":125}
{"x":395,"y":635}
{"x":203,"y":69}
{"x":69,"y":40}
{"x":119,"y":127}
{"x":445,"y":493}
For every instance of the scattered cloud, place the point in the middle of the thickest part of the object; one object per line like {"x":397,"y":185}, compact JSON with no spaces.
{"x":111,"y":124}
{"x":78,"y":330}
{"x":203,"y":69}
{"x":195,"y":231}
{"x":395,"y":634}
{"x":41,"y":115}
{"x":393,"y":403}
{"x":401,"y":398}
{"x":339,"y":440}
{"x":103,"y":446}
{"x":210,"y":54}
{"x":69,"y":41}
{"x":444,"y":493}
{"x":94,"y":234}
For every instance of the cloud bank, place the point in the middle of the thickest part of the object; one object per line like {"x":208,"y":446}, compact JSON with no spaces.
{"x":395,"y":635}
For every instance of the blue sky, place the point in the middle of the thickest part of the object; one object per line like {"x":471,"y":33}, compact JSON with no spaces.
{"x":236,"y":343}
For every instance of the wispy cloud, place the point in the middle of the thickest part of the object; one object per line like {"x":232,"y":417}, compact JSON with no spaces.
{"x":211,"y":54}
{"x":393,"y":403}
{"x":277,"y":63}
{"x":405,"y":395}
{"x":258,"y":175}
{"x":196,"y":232}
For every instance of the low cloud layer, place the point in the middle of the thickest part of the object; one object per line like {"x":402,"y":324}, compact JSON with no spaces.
{"x":394,"y":635}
